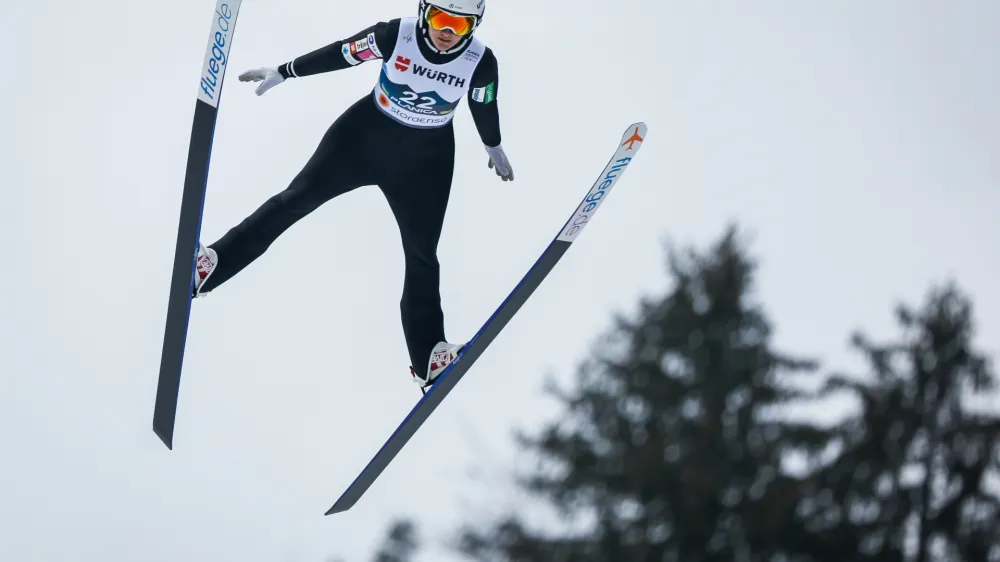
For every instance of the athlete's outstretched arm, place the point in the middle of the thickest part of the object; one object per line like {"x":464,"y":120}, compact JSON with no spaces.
{"x":367,"y":44}
{"x":370,"y":43}
{"x":485,"y":113}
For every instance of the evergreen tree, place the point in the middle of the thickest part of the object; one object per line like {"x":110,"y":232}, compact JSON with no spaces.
{"x":400,"y":544}
{"x":911,"y":483}
{"x":663,"y":443}
{"x":672,"y":443}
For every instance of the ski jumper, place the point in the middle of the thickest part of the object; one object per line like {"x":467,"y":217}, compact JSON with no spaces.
{"x":399,"y":137}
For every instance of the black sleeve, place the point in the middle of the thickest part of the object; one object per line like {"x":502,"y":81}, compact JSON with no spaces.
{"x":483,"y":99}
{"x":373,"y":42}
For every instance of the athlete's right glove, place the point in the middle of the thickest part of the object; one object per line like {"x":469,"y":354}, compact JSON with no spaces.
{"x":268,"y":78}
{"x":499,"y":160}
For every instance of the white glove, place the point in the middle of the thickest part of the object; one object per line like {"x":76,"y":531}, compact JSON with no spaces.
{"x":270,"y":76}
{"x":499,"y":159}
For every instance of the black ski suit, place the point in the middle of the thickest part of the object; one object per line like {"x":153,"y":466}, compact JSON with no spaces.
{"x":413,"y":167}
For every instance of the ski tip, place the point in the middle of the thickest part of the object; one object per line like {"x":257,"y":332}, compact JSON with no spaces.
{"x":633,"y":137}
{"x":637,"y":129}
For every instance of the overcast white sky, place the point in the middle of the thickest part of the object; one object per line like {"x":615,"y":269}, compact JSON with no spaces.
{"x":858,"y":141}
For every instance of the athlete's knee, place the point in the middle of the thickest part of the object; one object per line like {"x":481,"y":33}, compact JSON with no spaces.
{"x":420,"y":254}
{"x":424,"y":267}
{"x":422,"y":281}
{"x":301,"y":197}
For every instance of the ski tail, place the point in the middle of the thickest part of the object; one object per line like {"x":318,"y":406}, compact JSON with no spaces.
{"x":213,"y":72}
{"x":624,"y":153}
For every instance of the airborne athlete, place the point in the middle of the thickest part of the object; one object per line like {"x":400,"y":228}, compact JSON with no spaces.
{"x":429,"y":63}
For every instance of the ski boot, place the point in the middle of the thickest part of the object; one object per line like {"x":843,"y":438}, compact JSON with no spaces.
{"x":204,"y":266}
{"x":442,"y":355}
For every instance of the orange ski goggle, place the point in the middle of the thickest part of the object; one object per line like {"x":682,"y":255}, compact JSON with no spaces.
{"x":440,"y":19}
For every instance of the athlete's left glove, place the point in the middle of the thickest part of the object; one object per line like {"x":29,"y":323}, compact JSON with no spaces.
{"x":268,"y":78}
{"x":499,"y":160}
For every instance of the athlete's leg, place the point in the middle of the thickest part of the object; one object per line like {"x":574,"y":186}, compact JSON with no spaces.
{"x":418,"y":196}
{"x":339,"y":164}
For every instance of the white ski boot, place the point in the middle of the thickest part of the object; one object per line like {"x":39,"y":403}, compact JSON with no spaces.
{"x":204,"y":266}
{"x":442,"y":355}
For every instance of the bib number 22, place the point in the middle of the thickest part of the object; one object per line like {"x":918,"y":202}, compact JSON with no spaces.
{"x":410,"y":97}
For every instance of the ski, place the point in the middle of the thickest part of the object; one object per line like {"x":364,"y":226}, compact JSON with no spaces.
{"x":624,"y":153}
{"x":206,"y":109}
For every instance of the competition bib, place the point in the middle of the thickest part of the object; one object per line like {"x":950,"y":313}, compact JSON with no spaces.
{"x":417,"y":93}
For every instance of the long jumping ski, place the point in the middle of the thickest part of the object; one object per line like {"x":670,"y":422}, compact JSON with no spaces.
{"x":625,"y":152}
{"x":206,"y":109}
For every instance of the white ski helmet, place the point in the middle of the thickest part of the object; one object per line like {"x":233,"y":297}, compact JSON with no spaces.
{"x":471,"y":9}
